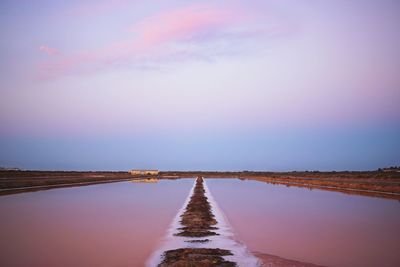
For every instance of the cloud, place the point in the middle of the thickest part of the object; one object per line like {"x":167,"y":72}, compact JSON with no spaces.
{"x":49,"y":51}
{"x":178,"y":34}
{"x":183,"y":24}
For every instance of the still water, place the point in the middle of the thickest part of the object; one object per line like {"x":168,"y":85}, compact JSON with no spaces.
{"x":123,"y":224}
{"x":314,"y":226}
{"x":118,"y":224}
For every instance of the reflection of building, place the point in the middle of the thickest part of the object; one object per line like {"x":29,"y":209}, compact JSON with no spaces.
{"x":391,"y":169}
{"x":148,"y":180}
{"x":144,"y":172}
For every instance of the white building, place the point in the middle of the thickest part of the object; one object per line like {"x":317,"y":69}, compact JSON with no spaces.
{"x":144,"y":172}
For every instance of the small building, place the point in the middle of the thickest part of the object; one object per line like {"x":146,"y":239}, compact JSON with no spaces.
{"x":144,"y":172}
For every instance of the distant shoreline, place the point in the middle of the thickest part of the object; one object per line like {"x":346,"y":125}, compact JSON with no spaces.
{"x":382,"y":184}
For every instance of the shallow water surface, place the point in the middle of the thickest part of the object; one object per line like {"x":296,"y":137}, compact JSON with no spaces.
{"x":314,"y":226}
{"x":118,"y":224}
{"x":130,"y":224}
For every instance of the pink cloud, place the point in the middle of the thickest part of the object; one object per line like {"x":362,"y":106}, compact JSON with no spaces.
{"x":183,"y":23}
{"x":165,"y":36}
{"x":48,"y":50}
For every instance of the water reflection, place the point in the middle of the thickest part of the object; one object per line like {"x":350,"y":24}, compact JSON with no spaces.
{"x":117,"y":224}
{"x":146,"y":180}
{"x":320,"y":227}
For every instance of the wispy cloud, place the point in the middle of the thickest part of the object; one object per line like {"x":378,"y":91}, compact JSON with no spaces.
{"x":183,"y":33}
{"x":186,"y":23}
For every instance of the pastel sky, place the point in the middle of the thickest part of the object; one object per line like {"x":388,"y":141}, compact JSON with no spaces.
{"x":200,"y":85}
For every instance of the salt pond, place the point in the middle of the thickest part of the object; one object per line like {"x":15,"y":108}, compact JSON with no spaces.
{"x":130,"y":224}
{"x":118,"y":224}
{"x":315,"y":226}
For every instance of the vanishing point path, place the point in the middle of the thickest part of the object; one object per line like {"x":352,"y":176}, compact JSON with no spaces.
{"x":201,"y":238}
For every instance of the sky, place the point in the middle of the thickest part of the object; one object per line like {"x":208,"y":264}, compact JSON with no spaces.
{"x":200,"y":85}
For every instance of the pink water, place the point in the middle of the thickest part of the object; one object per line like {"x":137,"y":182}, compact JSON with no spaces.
{"x":117,"y":224}
{"x":123,"y":224}
{"x":320,"y":227}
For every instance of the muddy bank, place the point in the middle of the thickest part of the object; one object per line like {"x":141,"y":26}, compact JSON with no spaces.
{"x":197,"y":222}
{"x":12,"y":182}
{"x":372,"y":188}
{"x":199,"y":257}
{"x":383,"y":184}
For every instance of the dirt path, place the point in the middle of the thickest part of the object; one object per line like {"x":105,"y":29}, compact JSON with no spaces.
{"x":198,"y":222}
